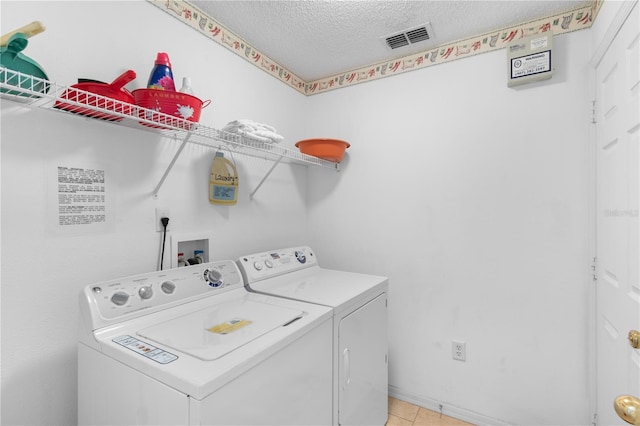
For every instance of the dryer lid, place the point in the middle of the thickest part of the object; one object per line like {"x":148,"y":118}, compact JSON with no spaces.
{"x":214,"y":332}
{"x":326,"y":287}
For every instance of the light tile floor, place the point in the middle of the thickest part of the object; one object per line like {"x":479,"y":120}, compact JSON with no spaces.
{"x":402,"y":413}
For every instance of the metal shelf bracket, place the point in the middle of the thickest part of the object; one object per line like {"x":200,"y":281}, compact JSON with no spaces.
{"x":171,"y":164}
{"x":275,"y":163}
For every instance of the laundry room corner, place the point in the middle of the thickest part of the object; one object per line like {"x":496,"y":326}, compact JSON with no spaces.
{"x":40,"y":309}
{"x":471,"y":197}
{"x":455,"y":234}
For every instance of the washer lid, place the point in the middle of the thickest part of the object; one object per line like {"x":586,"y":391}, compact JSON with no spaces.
{"x":214,"y":332}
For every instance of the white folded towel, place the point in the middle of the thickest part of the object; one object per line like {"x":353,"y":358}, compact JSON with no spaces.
{"x":252,"y":129}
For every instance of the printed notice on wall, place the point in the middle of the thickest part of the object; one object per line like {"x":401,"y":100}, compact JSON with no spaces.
{"x":531,"y":64}
{"x":81,"y":196}
{"x":78,"y":199}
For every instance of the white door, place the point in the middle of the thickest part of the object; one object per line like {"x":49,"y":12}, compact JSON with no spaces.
{"x":363,"y":365}
{"x":618,"y":235}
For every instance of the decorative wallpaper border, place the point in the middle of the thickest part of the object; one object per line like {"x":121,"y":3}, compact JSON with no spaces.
{"x":574,"y":20}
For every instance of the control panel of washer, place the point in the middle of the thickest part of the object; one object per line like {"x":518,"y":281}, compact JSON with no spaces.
{"x":120,"y":297}
{"x":259,"y":266}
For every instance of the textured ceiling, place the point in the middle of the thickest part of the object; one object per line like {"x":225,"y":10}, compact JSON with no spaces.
{"x":318,"y":38}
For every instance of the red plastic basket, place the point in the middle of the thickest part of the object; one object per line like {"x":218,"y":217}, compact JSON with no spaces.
{"x":182,"y":106}
{"x":95,"y":100}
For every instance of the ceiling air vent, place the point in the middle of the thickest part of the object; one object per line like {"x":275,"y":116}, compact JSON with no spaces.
{"x":419,"y":34}
{"x":410,"y":36}
{"x":397,"y":40}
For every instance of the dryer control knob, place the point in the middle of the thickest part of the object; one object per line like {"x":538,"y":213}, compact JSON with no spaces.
{"x":120,"y":298}
{"x":257,"y":265}
{"x":269,"y":263}
{"x":300,"y":256}
{"x":213,"y":277}
{"x":168,"y":287}
{"x":145,"y":292}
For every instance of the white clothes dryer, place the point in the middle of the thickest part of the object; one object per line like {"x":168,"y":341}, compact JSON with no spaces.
{"x":359,"y":303}
{"x":190,"y":346}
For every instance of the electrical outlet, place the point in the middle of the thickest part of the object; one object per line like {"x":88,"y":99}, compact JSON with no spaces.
{"x":459,"y":350}
{"x":160,"y":213}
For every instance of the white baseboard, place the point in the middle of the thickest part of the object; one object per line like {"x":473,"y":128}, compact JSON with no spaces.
{"x":447,"y":409}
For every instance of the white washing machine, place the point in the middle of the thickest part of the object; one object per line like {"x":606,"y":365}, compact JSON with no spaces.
{"x":190,"y":346}
{"x":359,"y":303}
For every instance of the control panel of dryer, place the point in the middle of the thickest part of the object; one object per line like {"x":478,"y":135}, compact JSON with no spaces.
{"x":268,"y":264}
{"x":161,"y":289}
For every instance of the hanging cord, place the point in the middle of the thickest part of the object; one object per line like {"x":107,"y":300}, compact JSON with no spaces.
{"x":233,"y":159}
{"x":165,"y":222}
{"x":229,"y":149}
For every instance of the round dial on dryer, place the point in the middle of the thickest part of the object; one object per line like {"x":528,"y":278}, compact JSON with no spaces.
{"x":213,"y":277}
{"x":300,"y":256}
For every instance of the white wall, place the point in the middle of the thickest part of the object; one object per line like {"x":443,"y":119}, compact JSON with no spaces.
{"x":472,"y":198}
{"x":42,"y":272}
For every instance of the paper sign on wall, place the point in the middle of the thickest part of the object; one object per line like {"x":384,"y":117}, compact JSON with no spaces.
{"x":530,"y":59}
{"x":78,"y":199}
{"x":81,"y":196}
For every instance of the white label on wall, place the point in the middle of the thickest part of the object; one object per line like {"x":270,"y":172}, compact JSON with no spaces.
{"x":539,"y":43}
{"x":531,"y":64}
{"x":78,"y":199}
{"x":81,"y":196}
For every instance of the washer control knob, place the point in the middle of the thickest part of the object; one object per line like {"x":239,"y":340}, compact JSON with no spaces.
{"x":119,"y":298}
{"x":257,"y":265}
{"x":269,"y":263}
{"x":213,"y":277}
{"x":168,"y":287}
{"x":145,"y":292}
{"x":300,"y":256}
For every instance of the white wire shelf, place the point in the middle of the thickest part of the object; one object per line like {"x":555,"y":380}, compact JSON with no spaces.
{"x":38,"y":93}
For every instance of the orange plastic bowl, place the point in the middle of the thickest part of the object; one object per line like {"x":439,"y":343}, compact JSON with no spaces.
{"x":327,"y":149}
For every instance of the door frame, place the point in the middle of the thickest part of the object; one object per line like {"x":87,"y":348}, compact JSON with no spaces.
{"x":614,"y":27}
